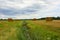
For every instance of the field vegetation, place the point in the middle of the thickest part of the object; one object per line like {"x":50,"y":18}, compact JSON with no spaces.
{"x":30,"y":30}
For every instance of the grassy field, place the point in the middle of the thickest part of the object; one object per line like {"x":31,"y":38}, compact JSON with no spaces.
{"x":9,"y":30}
{"x":37,"y":30}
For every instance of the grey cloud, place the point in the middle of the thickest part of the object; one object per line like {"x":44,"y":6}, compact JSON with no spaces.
{"x":27,"y":10}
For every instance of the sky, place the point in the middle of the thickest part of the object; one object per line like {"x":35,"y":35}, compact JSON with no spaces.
{"x":28,"y":9}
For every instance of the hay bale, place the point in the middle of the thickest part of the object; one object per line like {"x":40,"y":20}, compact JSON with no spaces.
{"x":34,"y":19}
{"x":10,"y":19}
{"x":49,"y":19}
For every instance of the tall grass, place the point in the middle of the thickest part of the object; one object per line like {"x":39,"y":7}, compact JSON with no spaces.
{"x":43,"y":31}
{"x":37,"y":31}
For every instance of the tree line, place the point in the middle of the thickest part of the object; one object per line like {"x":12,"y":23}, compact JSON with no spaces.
{"x":54,"y":18}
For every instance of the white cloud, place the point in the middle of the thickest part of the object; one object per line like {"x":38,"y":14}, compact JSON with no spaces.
{"x":17,"y":3}
{"x":47,"y":7}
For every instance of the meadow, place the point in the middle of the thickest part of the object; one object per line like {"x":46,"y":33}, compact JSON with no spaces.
{"x":30,"y":30}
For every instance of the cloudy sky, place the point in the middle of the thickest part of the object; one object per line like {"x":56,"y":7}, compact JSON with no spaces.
{"x":22,"y":9}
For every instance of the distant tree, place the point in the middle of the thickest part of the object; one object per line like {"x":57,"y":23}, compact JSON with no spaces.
{"x":54,"y":18}
{"x":1,"y":19}
{"x":58,"y":18}
{"x":42,"y":18}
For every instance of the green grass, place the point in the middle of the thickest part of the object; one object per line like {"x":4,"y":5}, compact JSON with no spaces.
{"x":9,"y":30}
{"x":14,"y":31}
{"x":1,"y":25}
{"x":43,"y":32}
